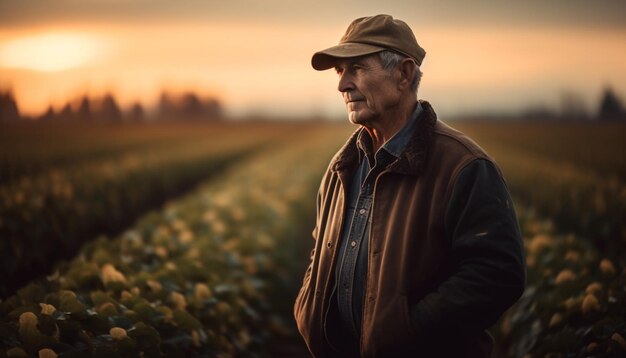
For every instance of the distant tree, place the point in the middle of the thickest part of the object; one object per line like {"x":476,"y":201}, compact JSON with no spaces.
{"x":84,"y":110}
{"x":191,"y":106}
{"x":188,"y":105}
{"x":66,"y":114}
{"x":8,"y":107}
{"x":136,"y":112}
{"x":48,"y":116}
{"x":110,"y":111}
{"x":167,"y":107}
{"x":610,"y":106}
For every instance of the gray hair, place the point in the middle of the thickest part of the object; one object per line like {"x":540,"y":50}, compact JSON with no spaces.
{"x":391,"y":59}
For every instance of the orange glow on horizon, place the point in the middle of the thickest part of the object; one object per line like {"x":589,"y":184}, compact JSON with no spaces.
{"x":50,"y":51}
{"x":260,"y":67}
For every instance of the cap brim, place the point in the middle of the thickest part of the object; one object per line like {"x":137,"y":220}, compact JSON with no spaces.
{"x":325,"y":59}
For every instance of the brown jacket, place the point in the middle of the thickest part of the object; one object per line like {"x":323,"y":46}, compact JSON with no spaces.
{"x":445,"y":258}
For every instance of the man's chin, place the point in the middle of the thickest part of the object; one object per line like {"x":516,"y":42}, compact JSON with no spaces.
{"x":354,"y":118}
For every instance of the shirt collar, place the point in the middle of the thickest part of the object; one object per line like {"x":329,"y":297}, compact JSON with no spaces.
{"x":396,"y":144}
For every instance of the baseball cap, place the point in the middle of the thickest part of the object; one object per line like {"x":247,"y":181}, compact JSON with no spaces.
{"x":367,"y":35}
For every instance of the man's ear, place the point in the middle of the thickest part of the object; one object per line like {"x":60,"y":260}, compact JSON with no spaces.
{"x":407,"y":71}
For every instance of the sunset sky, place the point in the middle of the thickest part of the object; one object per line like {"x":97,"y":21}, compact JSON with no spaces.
{"x":255,"y":55}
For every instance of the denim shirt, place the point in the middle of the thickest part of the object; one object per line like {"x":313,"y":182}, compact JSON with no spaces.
{"x":351,"y":266}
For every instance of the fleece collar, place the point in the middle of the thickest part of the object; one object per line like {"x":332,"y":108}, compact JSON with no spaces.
{"x":411,"y":161}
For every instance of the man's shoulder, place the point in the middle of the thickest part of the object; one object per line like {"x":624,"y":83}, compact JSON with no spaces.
{"x":451,"y":142}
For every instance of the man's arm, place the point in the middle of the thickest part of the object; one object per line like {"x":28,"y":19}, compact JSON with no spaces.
{"x":307,"y":274}
{"x":487,"y":249}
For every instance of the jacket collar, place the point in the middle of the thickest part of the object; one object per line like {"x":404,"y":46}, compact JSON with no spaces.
{"x":411,"y":161}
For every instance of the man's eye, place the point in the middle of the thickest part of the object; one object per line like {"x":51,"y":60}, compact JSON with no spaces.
{"x":356,"y":68}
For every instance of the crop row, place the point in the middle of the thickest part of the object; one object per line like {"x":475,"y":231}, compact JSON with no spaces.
{"x":202,"y":276}
{"x":576,"y":199}
{"x":27,"y":150}
{"x":597,"y":148}
{"x":575,"y":301}
{"x":48,"y":216}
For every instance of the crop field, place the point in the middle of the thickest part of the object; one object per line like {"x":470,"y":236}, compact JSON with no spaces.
{"x":61,"y":185}
{"x":192,"y":238}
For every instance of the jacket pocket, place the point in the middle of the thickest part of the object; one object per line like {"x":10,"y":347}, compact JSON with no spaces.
{"x":406,"y":318}
{"x":392,"y":333}
{"x":406,"y":334}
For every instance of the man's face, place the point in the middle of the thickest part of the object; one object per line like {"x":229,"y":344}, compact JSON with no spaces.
{"x":367,"y":88}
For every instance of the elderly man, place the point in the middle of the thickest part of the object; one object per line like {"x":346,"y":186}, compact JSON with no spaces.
{"x":417,"y":249}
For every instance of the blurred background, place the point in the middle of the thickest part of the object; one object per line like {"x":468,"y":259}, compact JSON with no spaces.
{"x":153,"y":196}
{"x":254,"y":56}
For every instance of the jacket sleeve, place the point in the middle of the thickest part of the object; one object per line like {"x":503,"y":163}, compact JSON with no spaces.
{"x":307,"y":274}
{"x":487,"y":251}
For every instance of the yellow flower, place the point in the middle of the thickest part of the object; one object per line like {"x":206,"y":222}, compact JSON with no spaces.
{"x":572,"y":256}
{"x":28,"y":320}
{"x":109,"y":274}
{"x":202,"y":292}
{"x":244,"y":337}
{"x":222,"y":308}
{"x":265,"y":241}
{"x":619,"y":339}
{"x":107,"y":309}
{"x":178,"y":300}
{"x":556,"y":319}
{"x":565,"y":276}
{"x":185,"y":236}
{"x":538,"y":243}
{"x":29,"y":334}
{"x":167,"y":313}
{"x":161,"y":252}
{"x":117,"y":333}
{"x":47,"y":353}
{"x":126,"y":295}
{"x":593,"y":287}
{"x":607,"y":267}
{"x":592,"y":347}
{"x":250,"y":265}
{"x":572,"y":303}
{"x":209,"y":216}
{"x":154,"y":285}
{"x":195,"y":338}
{"x":590,"y":303}
{"x":17,"y":352}
{"x":179,"y":225}
{"x":238,"y":213}
{"x":219,"y":227}
{"x":193,"y":253}
{"x":47,"y":309}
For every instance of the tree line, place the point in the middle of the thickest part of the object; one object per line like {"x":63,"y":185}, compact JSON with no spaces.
{"x":185,"y":106}
{"x":191,"y":106}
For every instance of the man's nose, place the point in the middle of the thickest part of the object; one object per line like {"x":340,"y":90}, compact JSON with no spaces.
{"x":345,"y":82}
